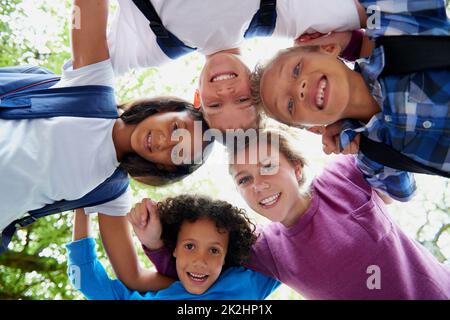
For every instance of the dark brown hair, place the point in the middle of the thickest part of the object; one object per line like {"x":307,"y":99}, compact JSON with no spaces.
{"x":144,"y":170}
{"x":174,"y":211}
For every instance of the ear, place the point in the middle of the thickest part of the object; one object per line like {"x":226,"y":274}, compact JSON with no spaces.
{"x":298,"y":170}
{"x":174,"y":253}
{"x":316,"y":129}
{"x":333,"y":49}
{"x":197,"y":101}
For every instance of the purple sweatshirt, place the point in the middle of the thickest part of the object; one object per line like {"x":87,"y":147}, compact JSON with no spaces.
{"x":345,"y":246}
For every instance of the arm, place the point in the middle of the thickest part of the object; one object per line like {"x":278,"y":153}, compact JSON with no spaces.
{"x":392,"y":183}
{"x":144,"y":218}
{"x":119,"y":247}
{"x":86,"y":273}
{"x":81,"y":225}
{"x":88,"y":38}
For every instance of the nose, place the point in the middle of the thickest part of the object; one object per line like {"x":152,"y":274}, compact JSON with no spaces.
{"x":224,"y":90}
{"x":302,"y":90}
{"x":260,"y":186}
{"x":199,"y":260}
{"x":161,"y":142}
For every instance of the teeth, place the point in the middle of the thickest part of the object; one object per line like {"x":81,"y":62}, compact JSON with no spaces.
{"x":197,"y":276}
{"x":270,"y":200}
{"x":149,"y":141}
{"x":224,"y":77}
{"x":321,"y":93}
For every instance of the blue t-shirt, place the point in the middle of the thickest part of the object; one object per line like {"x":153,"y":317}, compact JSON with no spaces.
{"x":88,"y":275}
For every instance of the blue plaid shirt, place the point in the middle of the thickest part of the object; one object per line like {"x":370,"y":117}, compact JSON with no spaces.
{"x":415,"y":116}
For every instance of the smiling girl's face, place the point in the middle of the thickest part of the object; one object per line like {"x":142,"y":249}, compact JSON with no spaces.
{"x":151,"y":138}
{"x":271,"y":186}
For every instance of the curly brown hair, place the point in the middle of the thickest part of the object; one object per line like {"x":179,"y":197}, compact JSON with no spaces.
{"x":176,"y":210}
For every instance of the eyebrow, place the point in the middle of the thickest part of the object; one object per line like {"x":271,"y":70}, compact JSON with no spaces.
{"x":238,"y":174}
{"x":210,"y":243}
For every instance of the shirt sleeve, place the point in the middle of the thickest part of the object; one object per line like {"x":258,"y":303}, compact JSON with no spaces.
{"x":163,"y":261}
{"x":263,"y":285}
{"x":100,"y":74}
{"x":261,"y":258}
{"x":117,"y":207}
{"x":399,"y":185}
{"x":88,"y":275}
{"x":406,"y":17}
{"x":132,"y":44}
{"x":305,"y":16}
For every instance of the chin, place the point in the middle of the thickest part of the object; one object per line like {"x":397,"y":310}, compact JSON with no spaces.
{"x":197,"y":291}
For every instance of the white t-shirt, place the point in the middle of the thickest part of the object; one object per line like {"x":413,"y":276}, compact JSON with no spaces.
{"x":214,"y":25}
{"x":47,"y":160}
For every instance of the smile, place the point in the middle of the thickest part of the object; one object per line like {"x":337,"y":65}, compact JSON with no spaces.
{"x":197,"y":277}
{"x":223,"y":76}
{"x":149,"y":142}
{"x":321,"y":90}
{"x":270,"y":201}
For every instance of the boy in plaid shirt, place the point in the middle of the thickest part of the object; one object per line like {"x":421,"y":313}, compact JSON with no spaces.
{"x":409,"y":112}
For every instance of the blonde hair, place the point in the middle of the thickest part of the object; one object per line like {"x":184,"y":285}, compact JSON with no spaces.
{"x":260,"y":69}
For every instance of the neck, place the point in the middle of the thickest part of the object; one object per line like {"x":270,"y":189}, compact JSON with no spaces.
{"x":235,"y":51}
{"x":299,"y":209}
{"x":121,"y":135}
{"x":362,"y":105}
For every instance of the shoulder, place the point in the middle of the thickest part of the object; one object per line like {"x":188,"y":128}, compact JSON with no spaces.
{"x":341,"y":170}
{"x":342,"y":180}
{"x":100,"y":74}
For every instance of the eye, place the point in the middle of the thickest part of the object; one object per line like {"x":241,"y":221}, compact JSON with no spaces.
{"x":215,"y":251}
{"x":290,"y":106}
{"x":243,"y":100}
{"x":175,"y":126}
{"x":243,"y":180}
{"x":214,"y":105}
{"x":268,"y":168}
{"x":297,"y":70}
{"x":189,"y":246}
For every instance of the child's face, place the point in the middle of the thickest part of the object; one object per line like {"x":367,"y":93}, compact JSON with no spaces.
{"x":200,"y":254}
{"x":225,"y":93}
{"x":151,"y":138}
{"x":271,"y":186}
{"x":306,"y":88}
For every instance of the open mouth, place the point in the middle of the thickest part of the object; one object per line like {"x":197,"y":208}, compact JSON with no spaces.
{"x":197,"y":277}
{"x":223,"y":76}
{"x":148,"y":142}
{"x":271,"y":201}
{"x":321,"y":97}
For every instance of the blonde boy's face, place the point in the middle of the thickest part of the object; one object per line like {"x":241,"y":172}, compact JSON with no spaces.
{"x":306,"y":88}
{"x":225,"y":93}
{"x":200,"y":254}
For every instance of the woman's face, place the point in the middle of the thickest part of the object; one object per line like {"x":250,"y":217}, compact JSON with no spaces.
{"x":152,"y":138}
{"x":200,"y":254}
{"x":225,"y":93}
{"x":271,"y":185}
